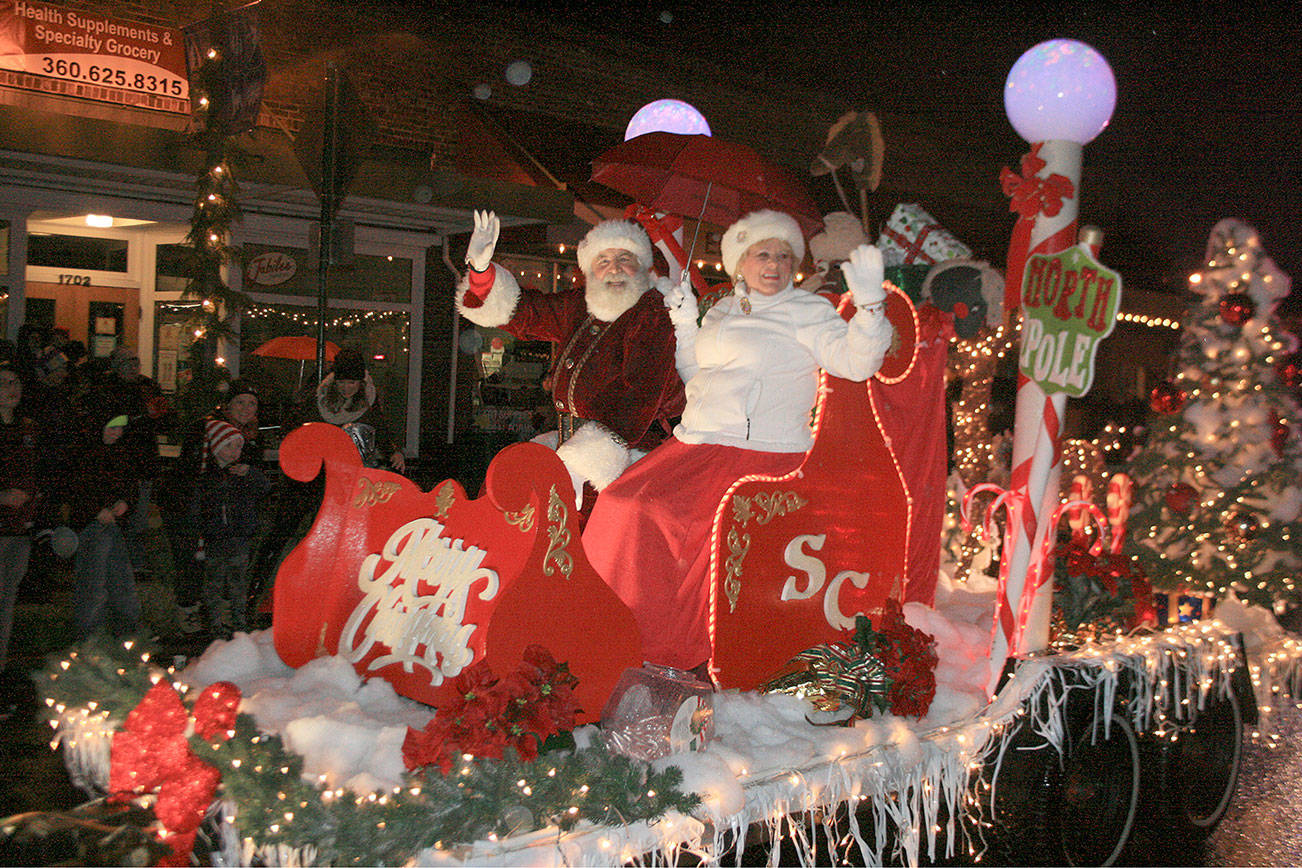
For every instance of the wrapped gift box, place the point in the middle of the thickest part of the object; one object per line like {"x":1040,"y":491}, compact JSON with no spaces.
{"x":913,"y":236}
{"x":1181,"y":607}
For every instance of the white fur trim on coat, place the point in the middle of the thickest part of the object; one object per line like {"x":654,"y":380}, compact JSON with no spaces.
{"x":619,"y":234}
{"x":498,"y":307}
{"x":596,"y":454}
{"x":760,"y":226}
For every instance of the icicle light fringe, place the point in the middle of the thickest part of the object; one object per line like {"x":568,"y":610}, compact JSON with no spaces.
{"x":1160,"y":679}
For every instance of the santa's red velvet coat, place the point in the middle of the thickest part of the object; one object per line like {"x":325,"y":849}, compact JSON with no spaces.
{"x":620,"y":374}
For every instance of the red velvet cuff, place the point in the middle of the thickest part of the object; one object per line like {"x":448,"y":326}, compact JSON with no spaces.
{"x":478,"y":284}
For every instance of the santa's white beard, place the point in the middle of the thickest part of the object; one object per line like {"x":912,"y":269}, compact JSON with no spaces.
{"x":607,"y":299}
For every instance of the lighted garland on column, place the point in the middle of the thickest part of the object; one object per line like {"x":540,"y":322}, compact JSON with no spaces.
{"x":97,"y":684}
{"x":216,"y":207}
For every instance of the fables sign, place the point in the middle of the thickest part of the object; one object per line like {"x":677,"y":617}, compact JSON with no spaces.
{"x":1070,"y":304}
{"x":414,"y":586}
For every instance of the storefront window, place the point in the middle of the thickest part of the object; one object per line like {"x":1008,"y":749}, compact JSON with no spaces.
{"x":511,"y":397}
{"x":77,"y":252}
{"x":286,"y":384}
{"x":362,"y":277}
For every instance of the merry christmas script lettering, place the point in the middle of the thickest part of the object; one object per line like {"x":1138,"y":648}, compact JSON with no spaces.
{"x":418,"y":629}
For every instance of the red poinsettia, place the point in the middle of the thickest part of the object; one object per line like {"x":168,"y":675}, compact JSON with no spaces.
{"x":151,"y":754}
{"x":910,"y":657}
{"x":489,"y":714}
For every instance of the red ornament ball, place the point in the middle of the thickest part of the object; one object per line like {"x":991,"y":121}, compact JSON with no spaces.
{"x":1237,"y":308}
{"x":1289,"y":370}
{"x":1180,"y":497}
{"x":1167,"y":397}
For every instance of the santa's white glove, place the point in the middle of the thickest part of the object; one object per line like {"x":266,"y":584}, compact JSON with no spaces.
{"x":681,"y":303}
{"x":864,"y":274}
{"x":482,"y":241}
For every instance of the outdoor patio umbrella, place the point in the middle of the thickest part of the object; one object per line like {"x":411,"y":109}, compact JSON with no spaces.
{"x":300,"y":348}
{"x":705,"y":178}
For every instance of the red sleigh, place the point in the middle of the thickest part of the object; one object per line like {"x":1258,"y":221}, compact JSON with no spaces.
{"x":415,"y":586}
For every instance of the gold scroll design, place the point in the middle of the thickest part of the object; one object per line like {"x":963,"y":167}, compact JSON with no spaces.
{"x":444,"y":496}
{"x":371,"y":493}
{"x":558,"y":537}
{"x":763,"y":508}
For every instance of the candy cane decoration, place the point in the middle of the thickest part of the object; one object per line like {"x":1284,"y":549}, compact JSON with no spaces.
{"x":1121,"y":494}
{"x":1003,"y":635}
{"x":1082,"y":489}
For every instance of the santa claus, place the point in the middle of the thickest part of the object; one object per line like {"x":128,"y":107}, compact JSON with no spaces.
{"x":614,"y":383}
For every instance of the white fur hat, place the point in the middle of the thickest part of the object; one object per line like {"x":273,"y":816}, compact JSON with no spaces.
{"x":620,"y":234}
{"x":760,"y":226}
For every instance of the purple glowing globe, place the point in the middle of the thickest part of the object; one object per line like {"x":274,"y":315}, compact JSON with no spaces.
{"x":1060,"y":90}
{"x":666,"y":116}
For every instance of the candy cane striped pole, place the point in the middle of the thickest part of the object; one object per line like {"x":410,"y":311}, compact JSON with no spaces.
{"x":1037,"y":457}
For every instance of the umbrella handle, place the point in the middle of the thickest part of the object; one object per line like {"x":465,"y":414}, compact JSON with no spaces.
{"x":699,"y":217}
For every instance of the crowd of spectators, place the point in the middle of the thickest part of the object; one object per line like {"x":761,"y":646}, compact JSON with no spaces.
{"x":81,"y":476}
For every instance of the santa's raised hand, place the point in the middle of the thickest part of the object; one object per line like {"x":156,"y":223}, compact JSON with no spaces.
{"x":483,"y":240}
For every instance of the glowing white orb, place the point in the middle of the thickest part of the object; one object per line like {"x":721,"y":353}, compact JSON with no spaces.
{"x":519,"y":72}
{"x":1060,"y":90}
{"x":666,"y":116}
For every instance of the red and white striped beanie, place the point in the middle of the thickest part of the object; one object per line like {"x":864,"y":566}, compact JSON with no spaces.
{"x":216,"y":434}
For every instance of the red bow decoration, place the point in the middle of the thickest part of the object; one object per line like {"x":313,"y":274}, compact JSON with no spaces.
{"x":660,"y":228}
{"x":152,"y":755}
{"x":1032,"y":194}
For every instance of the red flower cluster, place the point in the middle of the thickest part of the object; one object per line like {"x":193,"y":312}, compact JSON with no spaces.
{"x":491,"y":714}
{"x":152,"y":755}
{"x":1111,"y":570}
{"x":910,"y":657}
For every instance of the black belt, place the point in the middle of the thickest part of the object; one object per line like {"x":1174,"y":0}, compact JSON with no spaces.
{"x":567,"y":424}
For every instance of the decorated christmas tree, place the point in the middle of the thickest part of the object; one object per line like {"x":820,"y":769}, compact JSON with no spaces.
{"x":1218,"y":487}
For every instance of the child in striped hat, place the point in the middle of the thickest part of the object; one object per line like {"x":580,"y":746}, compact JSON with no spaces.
{"x":226,"y":502}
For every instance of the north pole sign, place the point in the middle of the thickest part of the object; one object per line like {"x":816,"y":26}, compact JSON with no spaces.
{"x":1070,"y":305}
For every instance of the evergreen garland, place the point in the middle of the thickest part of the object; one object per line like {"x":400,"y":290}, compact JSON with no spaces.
{"x":216,"y":208}
{"x":273,"y":805}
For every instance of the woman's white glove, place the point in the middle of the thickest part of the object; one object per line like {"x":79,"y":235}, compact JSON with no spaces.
{"x":482,"y":241}
{"x":864,"y":274}
{"x":681,"y":303}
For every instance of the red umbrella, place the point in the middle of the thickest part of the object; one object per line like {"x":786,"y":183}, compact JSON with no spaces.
{"x":703,"y":177}
{"x":300,"y":348}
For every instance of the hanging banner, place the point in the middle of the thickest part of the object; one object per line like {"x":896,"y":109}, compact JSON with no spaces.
{"x":1070,"y":302}
{"x":105,"y":57}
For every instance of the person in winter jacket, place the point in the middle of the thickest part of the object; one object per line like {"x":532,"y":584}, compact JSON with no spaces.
{"x":613,"y":380}
{"x":104,"y":484}
{"x":18,"y":451}
{"x":751,"y":368}
{"x":347,"y":397}
{"x":175,"y":496}
{"x":226,"y":514}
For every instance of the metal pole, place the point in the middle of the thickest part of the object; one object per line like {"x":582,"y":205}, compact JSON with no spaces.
{"x":329,"y":200}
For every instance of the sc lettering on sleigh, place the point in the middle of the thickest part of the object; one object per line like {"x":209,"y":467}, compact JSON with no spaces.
{"x":413,"y":608}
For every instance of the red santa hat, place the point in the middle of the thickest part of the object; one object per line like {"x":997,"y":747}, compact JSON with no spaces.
{"x":217,"y":434}
{"x":619,"y":234}
{"x":760,"y":226}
